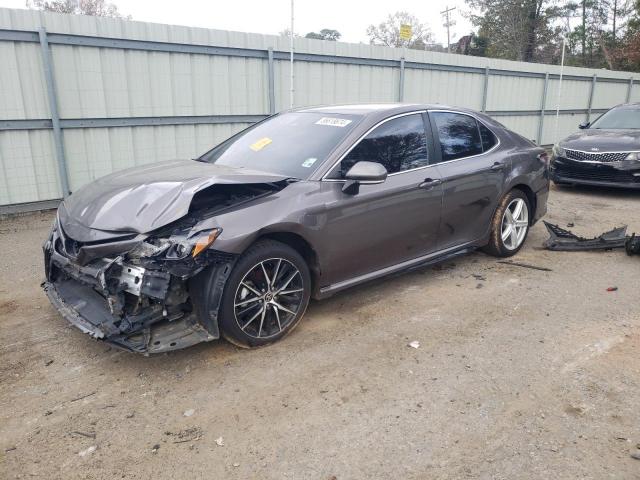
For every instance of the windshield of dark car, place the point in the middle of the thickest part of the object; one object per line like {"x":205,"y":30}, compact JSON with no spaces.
{"x":619,"y":118}
{"x":292,"y":144}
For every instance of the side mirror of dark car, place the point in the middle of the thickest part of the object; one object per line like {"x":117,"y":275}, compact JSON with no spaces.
{"x":363,"y":172}
{"x":584,"y":125}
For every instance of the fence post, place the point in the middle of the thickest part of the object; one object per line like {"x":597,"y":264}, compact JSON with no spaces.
{"x":271,"y":83}
{"x":629,"y":88}
{"x":55,"y":116}
{"x":401,"y":86}
{"x":485,"y":89}
{"x":543,"y":105}
{"x":593,"y":88}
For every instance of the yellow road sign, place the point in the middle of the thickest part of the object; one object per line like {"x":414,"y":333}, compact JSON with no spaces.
{"x":405,"y":32}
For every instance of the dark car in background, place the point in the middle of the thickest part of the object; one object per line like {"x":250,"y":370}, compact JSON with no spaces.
{"x":303,"y":204}
{"x":604,"y":153}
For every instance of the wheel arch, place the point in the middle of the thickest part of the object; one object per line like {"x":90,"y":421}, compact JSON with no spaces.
{"x":531,"y":197}
{"x":300,"y":245}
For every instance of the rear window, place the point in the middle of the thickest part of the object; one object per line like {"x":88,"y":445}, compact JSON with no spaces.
{"x":488,"y":138}
{"x":459,"y":135}
{"x":293,"y":144}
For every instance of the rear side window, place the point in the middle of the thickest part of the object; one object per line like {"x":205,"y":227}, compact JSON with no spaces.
{"x":459,"y":135}
{"x":399,"y":144}
{"x":488,"y":138}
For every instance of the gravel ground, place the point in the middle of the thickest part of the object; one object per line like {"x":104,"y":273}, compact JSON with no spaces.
{"x":520,"y":374}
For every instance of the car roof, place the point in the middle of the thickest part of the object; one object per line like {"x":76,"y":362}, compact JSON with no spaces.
{"x":374,"y":112}
{"x":368,"y":108}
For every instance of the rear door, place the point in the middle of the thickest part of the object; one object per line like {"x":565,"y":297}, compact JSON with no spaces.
{"x":390,"y":222}
{"x":473,"y":172}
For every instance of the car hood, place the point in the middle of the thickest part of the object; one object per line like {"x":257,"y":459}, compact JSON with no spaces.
{"x":603,"y":140}
{"x":142,"y":199}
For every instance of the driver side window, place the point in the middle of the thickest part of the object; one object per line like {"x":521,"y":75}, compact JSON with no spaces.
{"x":399,"y":144}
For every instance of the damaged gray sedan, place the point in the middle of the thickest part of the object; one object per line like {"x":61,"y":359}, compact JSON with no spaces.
{"x":301,"y":205}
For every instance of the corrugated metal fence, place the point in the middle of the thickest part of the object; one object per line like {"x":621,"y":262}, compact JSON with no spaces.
{"x":83,"y":96}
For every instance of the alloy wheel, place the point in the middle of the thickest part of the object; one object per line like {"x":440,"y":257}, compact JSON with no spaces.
{"x":515,"y":223}
{"x":268,"y":298}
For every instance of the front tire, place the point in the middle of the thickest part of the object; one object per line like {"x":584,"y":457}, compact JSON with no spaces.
{"x":265,"y":296}
{"x":510,"y":225}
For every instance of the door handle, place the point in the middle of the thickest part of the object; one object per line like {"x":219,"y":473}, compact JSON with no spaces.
{"x":430,"y":183}
{"x":496,"y":167}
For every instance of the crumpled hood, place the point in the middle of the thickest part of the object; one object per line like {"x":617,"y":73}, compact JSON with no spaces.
{"x":603,"y":140}
{"x":142,"y":199}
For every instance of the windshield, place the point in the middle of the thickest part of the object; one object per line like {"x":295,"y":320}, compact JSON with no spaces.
{"x":619,"y":118}
{"x":292,"y":144}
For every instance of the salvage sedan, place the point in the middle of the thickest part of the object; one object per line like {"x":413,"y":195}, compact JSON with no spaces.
{"x":604,"y":153}
{"x":301,"y":205}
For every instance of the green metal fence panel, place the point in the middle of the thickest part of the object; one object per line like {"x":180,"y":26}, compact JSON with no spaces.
{"x":124,"y":93}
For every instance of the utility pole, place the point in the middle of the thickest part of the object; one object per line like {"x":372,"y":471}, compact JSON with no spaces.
{"x":584,"y":33}
{"x":448,"y":23}
{"x":291,"y":78}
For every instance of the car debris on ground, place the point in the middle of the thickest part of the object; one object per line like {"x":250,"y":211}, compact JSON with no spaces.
{"x":88,"y":451}
{"x":561,"y":239}
{"x":525,"y":265}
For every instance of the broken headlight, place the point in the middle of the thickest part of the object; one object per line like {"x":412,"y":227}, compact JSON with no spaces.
{"x":176,"y":247}
{"x":558,"y":151}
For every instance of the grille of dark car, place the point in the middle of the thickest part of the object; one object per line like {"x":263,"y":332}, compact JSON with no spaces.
{"x":595,"y":174}
{"x":596,"y":157}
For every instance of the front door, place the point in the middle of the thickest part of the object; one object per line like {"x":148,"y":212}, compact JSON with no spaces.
{"x":390,"y":222}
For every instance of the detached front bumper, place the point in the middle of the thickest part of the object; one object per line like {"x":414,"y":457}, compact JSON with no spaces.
{"x":619,"y":174}
{"x":141,"y":310}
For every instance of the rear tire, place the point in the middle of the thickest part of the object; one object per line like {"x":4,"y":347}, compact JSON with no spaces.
{"x":510,"y":225}
{"x":266,"y":295}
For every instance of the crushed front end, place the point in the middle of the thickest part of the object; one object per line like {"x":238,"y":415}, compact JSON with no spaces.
{"x":136,"y":291}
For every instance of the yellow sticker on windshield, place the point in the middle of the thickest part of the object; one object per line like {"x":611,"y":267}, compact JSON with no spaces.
{"x":260,"y":144}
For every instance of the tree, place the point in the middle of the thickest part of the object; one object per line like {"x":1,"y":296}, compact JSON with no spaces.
{"x":388,"y":32}
{"x":96,"y":8}
{"x":599,"y":33}
{"x":599,"y":39}
{"x":626,"y":52}
{"x":474,"y":45}
{"x":518,"y":29}
{"x":325,"y":34}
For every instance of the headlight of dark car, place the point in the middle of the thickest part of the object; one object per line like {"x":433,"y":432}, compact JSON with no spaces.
{"x":633,"y":156}
{"x":558,"y":151}
{"x":177,"y":246}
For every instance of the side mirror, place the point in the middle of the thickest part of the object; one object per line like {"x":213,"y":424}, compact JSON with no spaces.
{"x":363,"y":172}
{"x":584,"y":125}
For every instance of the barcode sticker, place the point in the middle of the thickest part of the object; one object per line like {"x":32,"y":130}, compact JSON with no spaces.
{"x":333,"y":122}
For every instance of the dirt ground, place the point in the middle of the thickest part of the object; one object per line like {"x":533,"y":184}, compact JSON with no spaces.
{"x":520,"y":374}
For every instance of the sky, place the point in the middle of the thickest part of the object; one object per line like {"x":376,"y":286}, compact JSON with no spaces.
{"x":350,"y":17}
